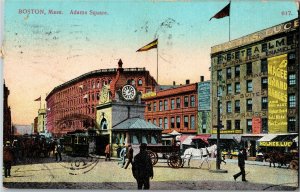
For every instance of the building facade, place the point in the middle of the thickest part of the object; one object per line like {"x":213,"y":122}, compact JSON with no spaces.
{"x":204,"y":111}
{"x":72,"y":105}
{"x":173,"y":109}
{"x":7,"y":125}
{"x":256,"y":79}
{"x":41,"y":121}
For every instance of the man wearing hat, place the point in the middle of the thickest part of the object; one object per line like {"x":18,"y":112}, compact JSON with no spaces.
{"x":142,"y":168}
{"x":7,"y":158}
{"x":241,"y":163}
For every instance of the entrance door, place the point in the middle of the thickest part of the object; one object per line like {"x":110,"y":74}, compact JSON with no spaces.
{"x":101,"y":142}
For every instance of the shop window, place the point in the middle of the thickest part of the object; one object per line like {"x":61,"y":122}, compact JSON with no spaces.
{"x":237,"y":124}
{"x":249,"y":104}
{"x":237,"y":88}
{"x":237,"y":106}
{"x":172,"y":103}
{"x":186,"y":101}
{"x":192,"y":122}
{"x":172,"y":122}
{"x":237,"y":71}
{"x":228,"y":106}
{"x":192,"y":101}
{"x":264,"y":65}
{"x":177,"y":122}
{"x":292,"y":100}
{"x":249,"y":86}
{"x":264,"y":125}
{"x":166,"y":105}
{"x":229,"y":89}
{"x":249,"y":125}
{"x":264,"y":103}
{"x":292,"y":79}
{"x":186,"y":121}
{"x":292,"y":124}
{"x":178,"y":103}
{"x":264,"y":82}
{"x":166,"y":126}
{"x":228,"y":124}
{"x":228,"y":73}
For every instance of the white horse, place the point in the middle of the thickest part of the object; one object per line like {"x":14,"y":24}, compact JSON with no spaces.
{"x":202,"y":153}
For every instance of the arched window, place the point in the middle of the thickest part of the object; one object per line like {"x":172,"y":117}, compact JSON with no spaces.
{"x":103,"y":124}
{"x":140,"y":82}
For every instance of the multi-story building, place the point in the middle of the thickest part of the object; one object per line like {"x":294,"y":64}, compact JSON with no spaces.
{"x":7,"y":126}
{"x":256,"y":77}
{"x":71,"y":106}
{"x":41,"y":120}
{"x":173,"y":109}
{"x":204,"y":112}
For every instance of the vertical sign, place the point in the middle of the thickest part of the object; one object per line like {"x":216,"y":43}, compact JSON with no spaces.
{"x":277,"y":94}
{"x":256,"y":125}
{"x":204,"y":96}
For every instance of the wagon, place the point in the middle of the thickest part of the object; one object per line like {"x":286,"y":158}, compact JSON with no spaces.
{"x":171,"y":152}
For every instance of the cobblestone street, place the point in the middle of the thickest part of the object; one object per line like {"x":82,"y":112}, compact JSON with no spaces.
{"x":95,"y":173}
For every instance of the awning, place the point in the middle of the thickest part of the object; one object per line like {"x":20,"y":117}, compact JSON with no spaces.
{"x":202,"y":137}
{"x":187,"y":140}
{"x":286,"y":137}
{"x":267,"y":137}
{"x":235,"y":137}
{"x":174,"y":133}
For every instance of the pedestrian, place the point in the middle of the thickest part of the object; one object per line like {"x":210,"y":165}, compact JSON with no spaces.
{"x":107,"y":152}
{"x":122,"y":155}
{"x":7,"y":158}
{"x":129,"y":156}
{"x":57,"y":151}
{"x":241,"y":163}
{"x":142,"y":168}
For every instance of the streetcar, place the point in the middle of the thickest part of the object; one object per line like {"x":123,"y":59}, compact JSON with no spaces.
{"x":76,"y":144}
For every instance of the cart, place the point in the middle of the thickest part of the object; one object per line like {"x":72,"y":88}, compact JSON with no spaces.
{"x":171,"y":152}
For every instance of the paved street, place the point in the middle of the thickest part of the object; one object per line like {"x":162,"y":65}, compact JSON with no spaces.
{"x":95,"y":173}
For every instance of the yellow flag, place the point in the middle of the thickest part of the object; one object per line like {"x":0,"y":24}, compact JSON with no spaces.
{"x":149,"y":46}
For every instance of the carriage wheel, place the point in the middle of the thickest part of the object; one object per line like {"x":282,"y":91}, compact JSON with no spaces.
{"x":153,"y":156}
{"x":175,"y":161}
{"x":294,"y":164}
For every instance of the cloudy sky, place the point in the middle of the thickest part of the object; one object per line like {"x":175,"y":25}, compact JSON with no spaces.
{"x":43,"y":51}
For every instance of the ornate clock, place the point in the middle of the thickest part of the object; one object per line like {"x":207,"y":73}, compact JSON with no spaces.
{"x":128,"y":92}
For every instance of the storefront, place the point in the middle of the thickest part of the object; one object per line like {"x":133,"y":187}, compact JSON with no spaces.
{"x":249,"y":141}
{"x":276,"y":142}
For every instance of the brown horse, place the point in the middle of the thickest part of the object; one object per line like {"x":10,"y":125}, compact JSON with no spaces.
{"x":279,"y":158}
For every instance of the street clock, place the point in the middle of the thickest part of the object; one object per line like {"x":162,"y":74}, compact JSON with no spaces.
{"x":128,"y":92}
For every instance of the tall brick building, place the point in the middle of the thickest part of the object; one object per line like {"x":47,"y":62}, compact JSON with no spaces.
{"x":256,"y":78}
{"x":71,"y":106}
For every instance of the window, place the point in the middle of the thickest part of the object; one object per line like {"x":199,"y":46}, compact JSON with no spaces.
{"x":249,"y":125}
{"x":264,"y":47}
{"x":220,"y":108}
{"x":192,"y":122}
{"x":292,"y":79}
{"x":178,"y":103}
{"x":249,"y":86}
{"x":160,"y":122}
{"x":237,"y":106}
{"x":177,"y":122}
{"x":264,"y":82}
{"x":237,"y":124}
{"x":237,"y":71}
{"x":172,"y":103}
{"x":149,"y":106}
{"x":228,"y":106}
{"x":264,"y":65}
{"x":291,"y":59}
{"x":192,"y":101}
{"x":154,"y":121}
{"x":264,"y":103}
{"x":154,"y":106}
{"x":237,"y":88}
{"x":249,"y":69}
{"x":186,"y":101}
{"x":228,"y":124}
{"x":166,"y":126}
{"x":220,"y":58}
{"x":172,"y":122}
{"x":160,"y":105}
{"x":228,"y":73}
{"x":229,"y":89}
{"x":166,"y":104}
{"x":228,"y":56}
{"x":186,"y":121}
{"x":237,"y":55}
{"x":292,"y":124}
{"x":249,"y":104}
{"x":220,"y":90}
{"x":264,"y":125}
{"x":140,"y":82}
{"x":219,"y":77}
{"x":292,"y":101}
{"x":249,"y":52}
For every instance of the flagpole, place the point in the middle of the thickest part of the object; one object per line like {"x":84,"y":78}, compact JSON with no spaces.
{"x":229,"y":20}
{"x":157,"y":64}
{"x":40,"y":101}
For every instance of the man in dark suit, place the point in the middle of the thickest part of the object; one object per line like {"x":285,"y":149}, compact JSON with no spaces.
{"x":241,"y":163}
{"x":142,"y":168}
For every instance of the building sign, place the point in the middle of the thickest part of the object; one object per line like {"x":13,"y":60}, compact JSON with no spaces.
{"x":258,"y":36}
{"x":149,"y":94}
{"x":277,"y":94}
{"x":235,"y":131}
{"x":256,"y":125}
{"x":275,"y":143}
{"x":204,"y":96}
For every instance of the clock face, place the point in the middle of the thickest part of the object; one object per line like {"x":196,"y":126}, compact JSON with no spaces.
{"x":128,"y":92}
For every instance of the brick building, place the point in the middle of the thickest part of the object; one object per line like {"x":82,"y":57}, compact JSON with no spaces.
{"x":172,"y":109}
{"x":71,"y":106}
{"x":7,"y":126}
{"x":256,"y":80}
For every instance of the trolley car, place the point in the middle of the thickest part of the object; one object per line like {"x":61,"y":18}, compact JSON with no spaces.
{"x":76,"y":144}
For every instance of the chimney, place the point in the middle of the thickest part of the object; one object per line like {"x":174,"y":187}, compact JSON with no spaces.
{"x":201,"y":78}
{"x":174,"y":83}
{"x":120,"y":63}
{"x":187,"y":81}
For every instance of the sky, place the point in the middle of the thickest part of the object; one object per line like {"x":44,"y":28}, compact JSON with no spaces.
{"x":42,"y":51}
